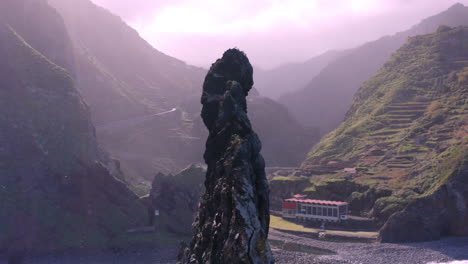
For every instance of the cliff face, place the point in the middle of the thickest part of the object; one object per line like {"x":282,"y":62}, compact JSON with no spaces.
{"x":233,"y":218}
{"x":445,"y":212}
{"x":55,"y":191}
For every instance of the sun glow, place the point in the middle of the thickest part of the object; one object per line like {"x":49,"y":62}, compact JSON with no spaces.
{"x":212,"y":17}
{"x":362,"y":6}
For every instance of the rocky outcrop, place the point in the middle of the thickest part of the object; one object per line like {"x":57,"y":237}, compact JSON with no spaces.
{"x":443,"y":213}
{"x":233,"y":217}
{"x":176,"y":198}
{"x":285,"y":187}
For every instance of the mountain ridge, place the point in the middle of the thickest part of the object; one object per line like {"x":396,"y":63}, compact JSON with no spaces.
{"x":327,"y":97}
{"x":57,"y":190}
{"x":405,"y":135}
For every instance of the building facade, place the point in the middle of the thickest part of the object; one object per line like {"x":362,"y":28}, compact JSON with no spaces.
{"x":307,"y":209}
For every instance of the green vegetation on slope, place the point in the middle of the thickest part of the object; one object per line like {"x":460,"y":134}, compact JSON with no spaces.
{"x":406,"y":129}
{"x":327,"y":97}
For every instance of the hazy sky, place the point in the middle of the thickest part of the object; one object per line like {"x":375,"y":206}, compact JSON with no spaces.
{"x":270,"y":31}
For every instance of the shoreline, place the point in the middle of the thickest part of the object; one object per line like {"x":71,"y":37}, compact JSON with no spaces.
{"x":289,"y":248}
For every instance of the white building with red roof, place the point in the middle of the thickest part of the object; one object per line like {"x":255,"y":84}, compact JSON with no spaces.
{"x":307,"y":209}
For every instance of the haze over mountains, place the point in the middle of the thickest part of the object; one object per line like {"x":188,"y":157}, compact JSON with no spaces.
{"x":326,"y":98}
{"x":91,"y":113}
{"x":58,"y":187}
{"x":292,"y":77}
{"x":146,"y":104}
{"x":405,"y":134}
{"x":271,"y":32}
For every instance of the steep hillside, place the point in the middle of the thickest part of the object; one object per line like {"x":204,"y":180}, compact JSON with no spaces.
{"x":405,"y":137}
{"x":146,"y":105}
{"x":55,"y":191}
{"x":127,"y":84}
{"x":325,"y":100}
{"x":292,"y":77}
{"x":47,"y":25}
{"x":134,"y":78}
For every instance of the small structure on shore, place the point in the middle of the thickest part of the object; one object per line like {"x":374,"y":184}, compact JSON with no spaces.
{"x":301,"y":208}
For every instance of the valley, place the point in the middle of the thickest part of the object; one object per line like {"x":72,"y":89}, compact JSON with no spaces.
{"x":112,"y":151}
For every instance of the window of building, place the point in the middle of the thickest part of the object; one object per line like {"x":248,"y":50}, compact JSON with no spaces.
{"x":314,"y":210}
{"x":335,"y":212}
{"x":330,"y":211}
{"x":303,"y":209}
{"x":319,"y":211}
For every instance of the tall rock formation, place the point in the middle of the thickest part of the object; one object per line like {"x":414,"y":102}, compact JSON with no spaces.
{"x":233,"y":218}
{"x":128,"y":85}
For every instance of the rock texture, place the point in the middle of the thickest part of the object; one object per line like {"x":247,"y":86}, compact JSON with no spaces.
{"x":177,"y":197}
{"x":233,"y":218}
{"x":429,"y":218}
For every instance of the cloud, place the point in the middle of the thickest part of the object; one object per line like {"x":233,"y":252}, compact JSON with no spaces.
{"x":217,"y":17}
{"x":271,"y":31}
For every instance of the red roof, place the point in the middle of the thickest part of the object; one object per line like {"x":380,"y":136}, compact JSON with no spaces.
{"x":299,"y":196}
{"x":287,"y":205}
{"x":310,"y":201}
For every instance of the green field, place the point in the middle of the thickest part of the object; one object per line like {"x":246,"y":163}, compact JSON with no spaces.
{"x":281,"y":224}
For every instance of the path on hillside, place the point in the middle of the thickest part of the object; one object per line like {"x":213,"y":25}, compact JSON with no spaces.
{"x":129,"y":122}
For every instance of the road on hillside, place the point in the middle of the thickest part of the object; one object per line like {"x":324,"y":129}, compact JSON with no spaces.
{"x":129,"y":122}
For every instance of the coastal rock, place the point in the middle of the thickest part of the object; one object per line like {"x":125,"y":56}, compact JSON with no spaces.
{"x":443,"y":213}
{"x":233,"y":217}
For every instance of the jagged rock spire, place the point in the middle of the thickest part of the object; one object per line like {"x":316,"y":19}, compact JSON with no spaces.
{"x":233,"y":218}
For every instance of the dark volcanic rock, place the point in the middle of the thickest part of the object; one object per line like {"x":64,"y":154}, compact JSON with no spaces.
{"x":233,"y":218}
{"x":176,"y":197}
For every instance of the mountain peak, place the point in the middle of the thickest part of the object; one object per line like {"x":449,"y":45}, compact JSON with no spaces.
{"x":457,"y":5}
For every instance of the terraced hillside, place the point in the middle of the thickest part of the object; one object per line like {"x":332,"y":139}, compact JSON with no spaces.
{"x":324,"y":101}
{"x":405,"y":136}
